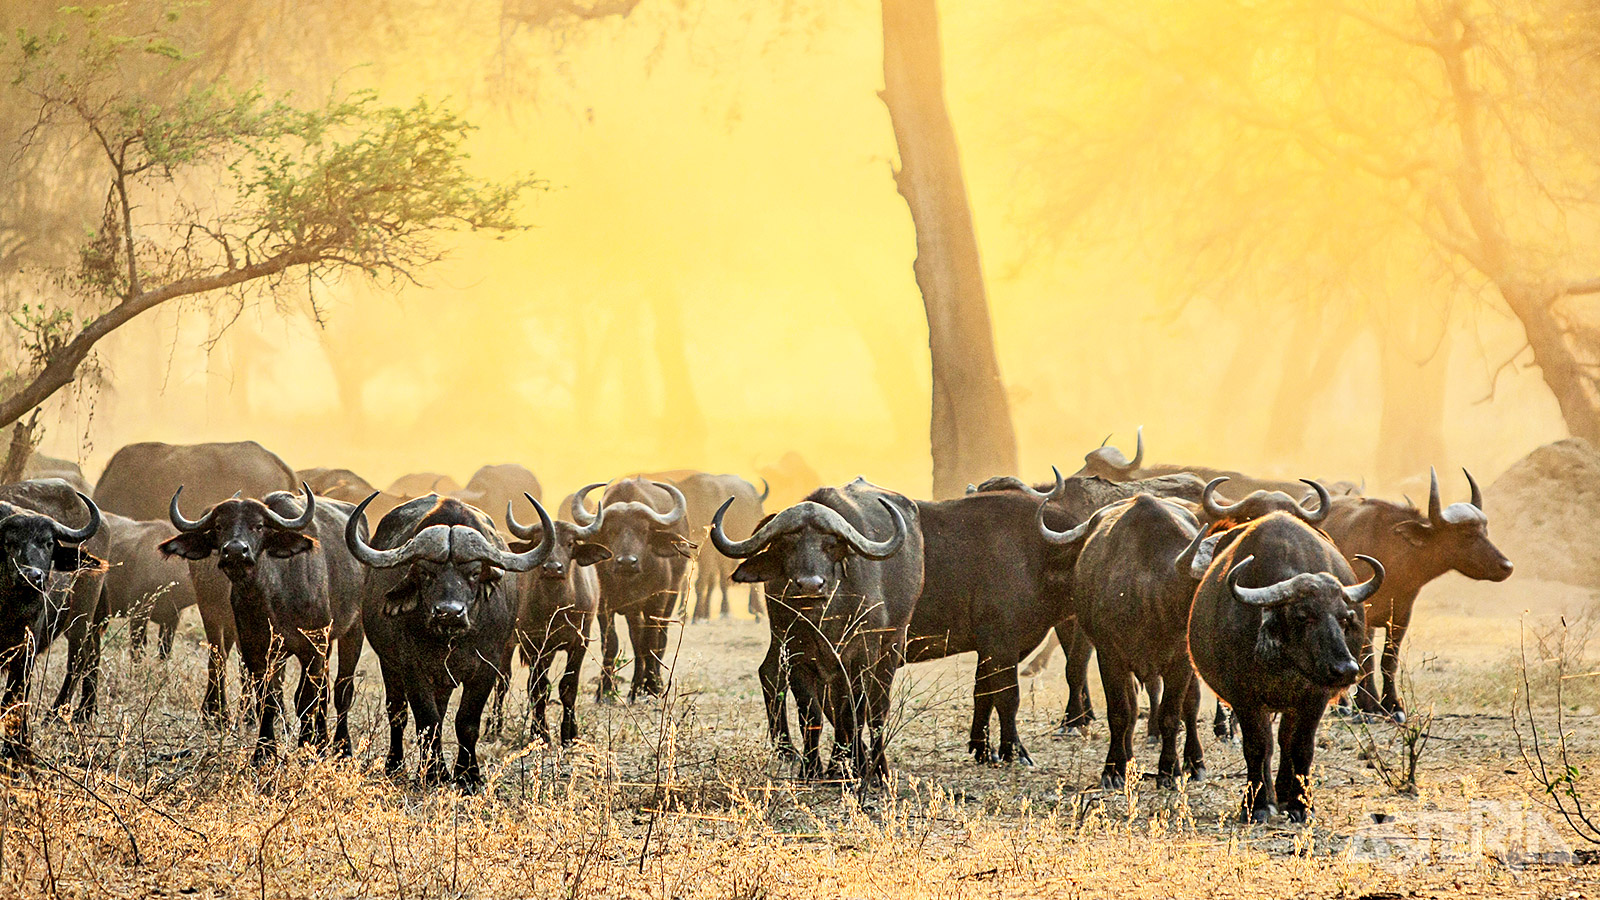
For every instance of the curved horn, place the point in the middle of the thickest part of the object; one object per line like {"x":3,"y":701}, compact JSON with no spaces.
{"x":766,"y":491}
{"x":1435,"y":513}
{"x":184,"y":525}
{"x":1313,"y":517}
{"x":739,"y":549}
{"x":1208,"y":500}
{"x":876,"y":549}
{"x":1184,"y":563}
{"x":69,"y":536}
{"x":363,"y":552}
{"x":1477,"y":495}
{"x":1071,"y":535}
{"x":1358,"y":594}
{"x":522,"y":562}
{"x":305,"y":514}
{"x":1138,"y":453}
{"x":580,"y":514}
{"x":680,"y":506}
{"x":1279,"y":594}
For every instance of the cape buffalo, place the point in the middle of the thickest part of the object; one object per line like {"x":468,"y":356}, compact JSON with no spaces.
{"x":138,"y":483}
{"x":143,"y":583}
{"x":646,"y":532}
{"x":421,"y":484}
{"x":493,"y":488}
{"x":1414,"y":550}
{"x":40,"y":466}
{"x":704,"y":493}
{"x":296,"y":590}
{"x":556,"y":605}
{"x":36,"y":547}
{"x":839,"y":603}
{"x":1132,"y":587}
{"x":74,"y":602}
{"x":1275,"y":629}
{"x":438,"y":612}
{"x":1079,"y":497}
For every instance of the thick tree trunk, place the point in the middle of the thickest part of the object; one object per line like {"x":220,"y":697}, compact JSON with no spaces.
{"x":1304,"y":377}
{"x":1411,"y":425}
{"x":971,"y":431}
{"x":1564,"y":372}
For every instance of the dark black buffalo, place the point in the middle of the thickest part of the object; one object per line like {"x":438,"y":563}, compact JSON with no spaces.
{"x":556,"y":605}
{"x":1132,"y":587}
{"x":1275,"y":629}
{"x":143,"y":583}
{"x":75,"y":607}
{"x":36,"y":548}
{"x":1414,"y":549}
{"x":139,"y":482}
{"x":296,"y":590}
{"x":646,"y":530}
{"x":839,"y":603}
{"x":704,"y":493}
{"x":1079,"y":497}
{"x":493,"y":488}
{"x":438,"y":611}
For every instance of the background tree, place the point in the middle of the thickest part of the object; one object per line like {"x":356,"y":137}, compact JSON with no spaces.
{"x":300,"y":196}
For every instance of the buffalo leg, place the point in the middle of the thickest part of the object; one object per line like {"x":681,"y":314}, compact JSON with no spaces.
{"x":395,"y":706}
{"x":539,"y":692}
{"x":757,"y":602}
{"x":1393,"y":635}
{"x":311,"y":696}
{"x":774,"y":677}
{"x":809,"y":707}
{"x":474,"y":694}
{"x":879,"y":687}
{"x":576,"y":650}
{"x":1194,"y":759}
{"x":166,"y":632}
{"x":428,"y":704}
{"x":1152,"y":693}
{"x":1367,"y":689}
{"x":640,"y":637}
{"x":983,"y":692}
{"x":1122,"y":708}
{"x":703,"y":581}
{"x":1223,"y":723}
{"x":1080,"y":709}
{"x":723,"y":583}
{"x":607,"y":691}
{"x":215,"y":704}
{"x":344,"y":687}
{"x":138,"y":629}
{"x":1177,"y":708}
{"x":1297,"y":741}
{"x":15,"y":743}
{"x":1255,"y":727}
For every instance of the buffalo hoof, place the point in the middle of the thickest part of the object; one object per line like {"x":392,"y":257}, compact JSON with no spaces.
{"x":1019,"y":755}
{"x":1167,"y":782}
{"x":1397,"y":716}
{"x":1152,"y":740}
{"x":264,"y":755}
{"x":1297,"y":816}
{"x":1112,"y":781}
{"x":469,"y":783}
{"x":983,"y":755}
{"x":1260,"y":816}
{"x":1197,"y":773}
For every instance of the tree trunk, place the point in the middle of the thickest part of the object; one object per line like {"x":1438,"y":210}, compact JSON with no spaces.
{"x":1411,"y":425}
{"x":1564,"y":373}
{"x":971,"y":432}
{"x":1304,"y":377}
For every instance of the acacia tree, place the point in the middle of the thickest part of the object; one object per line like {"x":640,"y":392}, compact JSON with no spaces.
{"x":294,"y":196}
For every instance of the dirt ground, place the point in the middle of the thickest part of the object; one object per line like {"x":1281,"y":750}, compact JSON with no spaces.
{"x":682,"y":798}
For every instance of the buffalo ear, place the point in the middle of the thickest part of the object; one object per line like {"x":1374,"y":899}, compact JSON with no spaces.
{"x":194,"y":545}
{"x":402,"y":598}
{"x":759,"y":568}
{"x":585,"y":553}
{"x":1269,"y":643}
{"x":490,"y":574}
{"x":665,"y":543}
{"x":73,"y":558}
{"x":284,"y":544}
{"x":1413,"y":531}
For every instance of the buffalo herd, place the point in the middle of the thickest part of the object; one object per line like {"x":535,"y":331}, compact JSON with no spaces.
{"x":1268,"y":592}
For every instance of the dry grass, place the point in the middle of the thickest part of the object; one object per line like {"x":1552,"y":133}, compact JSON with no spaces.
{"x":683,"y":799}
